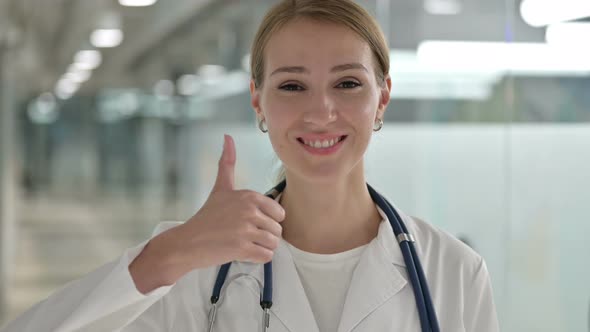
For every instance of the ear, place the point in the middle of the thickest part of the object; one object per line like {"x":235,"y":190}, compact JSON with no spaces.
{"x":384,"y":96}
{"x":255,"y":99}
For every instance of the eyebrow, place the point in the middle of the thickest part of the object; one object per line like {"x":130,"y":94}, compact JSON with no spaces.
{"x":303,"y":70}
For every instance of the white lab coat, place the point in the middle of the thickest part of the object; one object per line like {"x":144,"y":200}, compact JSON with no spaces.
{"x":380,"y":297}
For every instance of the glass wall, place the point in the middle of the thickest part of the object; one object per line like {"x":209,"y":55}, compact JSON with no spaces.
{"x":487,"y":135}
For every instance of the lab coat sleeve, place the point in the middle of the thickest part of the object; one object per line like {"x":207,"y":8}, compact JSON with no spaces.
{"x":107,"y":295}
{"x":480,"y":311}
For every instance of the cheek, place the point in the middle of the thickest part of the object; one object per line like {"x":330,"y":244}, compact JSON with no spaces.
{"x":360,"y":109}
{"x":279,"y":116}
{"x":278,"y":113}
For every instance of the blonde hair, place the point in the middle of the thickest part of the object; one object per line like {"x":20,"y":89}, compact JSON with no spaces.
{"x":343,"y":12}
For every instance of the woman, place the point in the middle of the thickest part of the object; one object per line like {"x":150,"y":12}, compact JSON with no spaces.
{"x":319,"y":87}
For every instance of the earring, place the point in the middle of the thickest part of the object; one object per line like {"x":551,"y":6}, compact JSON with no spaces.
{"x":378,"y":124}
{"x":260,"y":126}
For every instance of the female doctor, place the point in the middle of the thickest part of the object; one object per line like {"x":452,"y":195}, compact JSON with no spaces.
{"x":319,"y":87}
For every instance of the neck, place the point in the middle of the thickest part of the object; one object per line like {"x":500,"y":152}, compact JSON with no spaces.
{"x":329,"y":217}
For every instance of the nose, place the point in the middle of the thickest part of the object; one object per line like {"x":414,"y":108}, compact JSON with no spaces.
{"x":321,"y":110}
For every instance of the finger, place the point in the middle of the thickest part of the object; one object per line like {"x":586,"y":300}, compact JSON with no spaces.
{"x":258,"y":254}
{"x":271,"y":208}
{"x":227,"y":163}
{"x":268,"y":224}
{"x":265,"y":239}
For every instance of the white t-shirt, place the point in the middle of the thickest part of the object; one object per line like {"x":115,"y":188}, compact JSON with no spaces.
{"x":326,"y":279}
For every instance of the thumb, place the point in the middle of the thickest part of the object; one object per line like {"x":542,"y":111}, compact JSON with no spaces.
{"x":227,"y":163}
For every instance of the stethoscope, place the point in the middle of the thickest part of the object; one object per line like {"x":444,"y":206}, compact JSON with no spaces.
{"x":426,"y":312}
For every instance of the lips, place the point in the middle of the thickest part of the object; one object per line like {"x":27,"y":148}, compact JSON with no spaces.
{"x":319,"y":141}
{"x":326,"y":147}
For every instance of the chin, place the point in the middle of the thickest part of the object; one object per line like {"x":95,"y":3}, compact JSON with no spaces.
{"x":321,"y":174}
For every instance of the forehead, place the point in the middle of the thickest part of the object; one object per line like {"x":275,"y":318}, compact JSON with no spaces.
{"x":315,"y":44}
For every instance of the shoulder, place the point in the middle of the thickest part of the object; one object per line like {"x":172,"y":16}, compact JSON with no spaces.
{"x":443,"y":249}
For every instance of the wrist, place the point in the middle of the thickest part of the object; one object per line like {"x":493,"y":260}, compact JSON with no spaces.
{"x":154,"y":267}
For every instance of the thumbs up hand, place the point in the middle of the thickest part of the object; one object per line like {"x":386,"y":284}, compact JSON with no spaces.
{"x":232,"y":225}
{"x":236,"y":224}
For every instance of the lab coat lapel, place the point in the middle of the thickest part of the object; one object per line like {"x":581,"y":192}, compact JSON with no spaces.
{"x":290,"y":303}
{"x":375,"y":279}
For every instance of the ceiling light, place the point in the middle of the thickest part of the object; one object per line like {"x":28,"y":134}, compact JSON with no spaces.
{"x":43,"y":109}
{"x":65,"y":88}
{"x":106,"y":37}
{"x":412,"y":79}
{"x":516,"y":58}
{"x":188,"y":84}
{"x":137,"y":3}
{"x":442,"y":7}
{"x":78,"y":76}
{"x":246,"y":63}
{"x":211,"y":74}
{"x":539,"y":13}
{"x":87,"y":59}
{"x":571,"y":35}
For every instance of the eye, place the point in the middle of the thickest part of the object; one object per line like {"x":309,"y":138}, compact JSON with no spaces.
{"x":349,"y":84}
{"x":291,"y":87}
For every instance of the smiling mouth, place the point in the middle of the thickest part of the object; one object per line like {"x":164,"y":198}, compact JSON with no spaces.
{"x":322,"y":144}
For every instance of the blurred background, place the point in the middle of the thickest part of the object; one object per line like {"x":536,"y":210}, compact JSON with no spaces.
{"x":112,"y":115}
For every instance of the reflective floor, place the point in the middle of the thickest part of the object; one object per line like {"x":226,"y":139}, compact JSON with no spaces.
{"x":60,"y":240}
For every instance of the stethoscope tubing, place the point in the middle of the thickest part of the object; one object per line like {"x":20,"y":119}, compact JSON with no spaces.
{"x":426,"y":312}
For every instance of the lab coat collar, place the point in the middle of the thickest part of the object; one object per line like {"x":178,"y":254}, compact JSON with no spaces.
{"x":375,"y":280}
{"x":291,"y":304}
{"x":386,"y":238}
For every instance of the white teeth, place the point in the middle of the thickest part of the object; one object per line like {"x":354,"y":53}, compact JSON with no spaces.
{"x":322,"y":144}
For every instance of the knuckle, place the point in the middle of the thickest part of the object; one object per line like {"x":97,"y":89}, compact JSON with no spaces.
{"x":248,"y":212}
{"x":282,"y":213}
{"x":274,"y":242}
{"x":264,"y":256}
{"x":253,"y":212}
{"x":271,"y":241}
{"x":250,"y":230}
{"x":241,"y":194}
{"x":268,"y":255}
{"x":278,"y":229}
{"x":248,"y":194}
